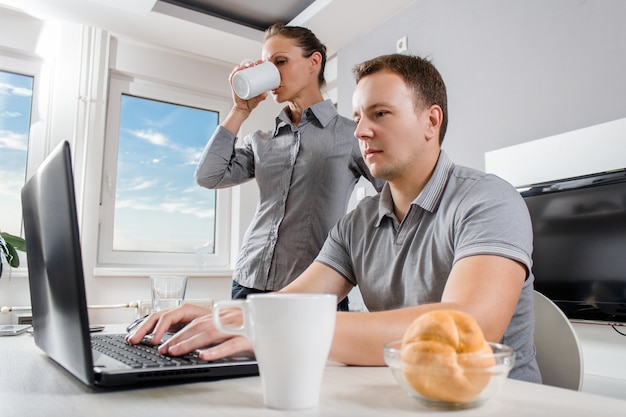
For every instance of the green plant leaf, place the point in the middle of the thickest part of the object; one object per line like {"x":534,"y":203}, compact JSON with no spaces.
{"x":9,"y":243}
{"x":17,"y":242}
{"x":14,"y":260}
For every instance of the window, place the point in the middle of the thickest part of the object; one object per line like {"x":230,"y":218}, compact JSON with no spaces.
{"x":156,"y":199}
{"x":153,"y":212}
{"x":16,"y":97}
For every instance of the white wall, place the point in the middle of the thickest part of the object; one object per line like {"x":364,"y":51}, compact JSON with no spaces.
{"x":533,"y":162}
{"x":516,"y":70}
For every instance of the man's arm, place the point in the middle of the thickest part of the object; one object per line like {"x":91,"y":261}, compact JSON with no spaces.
{"x":486,"y":287}
{"x":319,"y":278}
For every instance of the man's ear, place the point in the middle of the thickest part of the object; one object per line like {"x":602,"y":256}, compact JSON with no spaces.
{"x":435,"y":117}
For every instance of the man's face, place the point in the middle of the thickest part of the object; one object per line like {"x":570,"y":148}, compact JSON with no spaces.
{"x":390,"y":130}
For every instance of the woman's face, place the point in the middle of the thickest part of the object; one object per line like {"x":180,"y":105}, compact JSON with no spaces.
{"x":297,"y":73}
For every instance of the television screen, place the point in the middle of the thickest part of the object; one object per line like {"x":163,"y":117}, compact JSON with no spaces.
{"x":579,"y":254}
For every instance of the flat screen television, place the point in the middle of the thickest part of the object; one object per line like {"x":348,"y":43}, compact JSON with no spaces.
{"x":579,"y":254}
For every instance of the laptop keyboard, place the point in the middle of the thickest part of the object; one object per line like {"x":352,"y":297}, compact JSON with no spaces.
{"x":139,"y":356}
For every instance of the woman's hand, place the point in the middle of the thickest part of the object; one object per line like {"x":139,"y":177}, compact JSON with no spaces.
{"x":240,"y":104}
{"x":242,"y":108}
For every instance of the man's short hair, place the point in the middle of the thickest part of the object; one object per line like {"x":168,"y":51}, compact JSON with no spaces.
{"x":419,"y":74}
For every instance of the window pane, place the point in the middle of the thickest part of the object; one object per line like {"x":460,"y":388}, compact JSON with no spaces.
{"x":16,"y":92}
{"x":158,"y":205}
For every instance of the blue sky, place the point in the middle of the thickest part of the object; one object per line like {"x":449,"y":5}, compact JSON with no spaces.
{"x":15,"y":108}
{"x":159,"y":206}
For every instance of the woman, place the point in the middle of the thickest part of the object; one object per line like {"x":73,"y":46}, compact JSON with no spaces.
{"x":306,"y":168}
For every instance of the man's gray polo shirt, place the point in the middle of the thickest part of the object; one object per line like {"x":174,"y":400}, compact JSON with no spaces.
{"x":461,"y":212}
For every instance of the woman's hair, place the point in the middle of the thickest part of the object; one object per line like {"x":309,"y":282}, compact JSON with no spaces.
{"x":419,"y":74}
{"x":304,"y":39}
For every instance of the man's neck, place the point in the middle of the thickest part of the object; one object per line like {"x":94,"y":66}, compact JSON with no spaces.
{"x":405,"y":190}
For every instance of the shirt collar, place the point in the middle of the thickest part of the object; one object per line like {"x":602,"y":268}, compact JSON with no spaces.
{"x":324,"y":112}
{"x":429,"y":198}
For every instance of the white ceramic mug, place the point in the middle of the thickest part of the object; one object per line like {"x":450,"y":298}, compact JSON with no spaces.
{"x":255,"y":80}
{"x":291,"y":335}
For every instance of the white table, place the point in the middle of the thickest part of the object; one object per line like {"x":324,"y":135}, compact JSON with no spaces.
{"x":32,"y":385}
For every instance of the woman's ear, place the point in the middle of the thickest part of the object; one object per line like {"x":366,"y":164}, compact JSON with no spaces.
{"x":315,"y":61}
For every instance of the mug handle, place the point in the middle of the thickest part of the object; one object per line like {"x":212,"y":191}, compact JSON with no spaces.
{"x":217,"y":322}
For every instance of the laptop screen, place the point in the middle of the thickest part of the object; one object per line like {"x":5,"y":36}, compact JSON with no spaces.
{"x":55,"y":268}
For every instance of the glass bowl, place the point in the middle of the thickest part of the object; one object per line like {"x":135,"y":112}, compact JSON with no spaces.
{"x":439,"y":385}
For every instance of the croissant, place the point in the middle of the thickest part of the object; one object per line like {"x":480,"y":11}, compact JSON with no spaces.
{"x":447,"y":356}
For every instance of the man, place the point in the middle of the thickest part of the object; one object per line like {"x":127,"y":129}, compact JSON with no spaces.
{"x":438,"y":236}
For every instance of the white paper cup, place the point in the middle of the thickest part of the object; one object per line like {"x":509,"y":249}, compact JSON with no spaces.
{"x":291,"y":335}
{"x":255,"y":80}
{"x":167,"y":291}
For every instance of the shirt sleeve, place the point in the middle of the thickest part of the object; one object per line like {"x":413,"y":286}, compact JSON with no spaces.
{"x":494,"y":220}
{"x":222,"y":164}
{"x":336,"y":250}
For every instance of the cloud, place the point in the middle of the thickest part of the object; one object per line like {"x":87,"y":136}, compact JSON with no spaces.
{"x":11,"y":183}
{"x":166,"y":207}
{"x":152,"y":137}
{"x":13,"y":140}
{"x":163,"y":121}
{"x":144,"y":185}
{"x":10,"y":114}
{"x":137,"y":184}
{"x":193,"y":189}
{"x":9,"y":89}
{"x":190,"y":155}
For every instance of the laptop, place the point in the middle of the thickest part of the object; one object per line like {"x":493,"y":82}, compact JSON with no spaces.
{"x":59,"y":306}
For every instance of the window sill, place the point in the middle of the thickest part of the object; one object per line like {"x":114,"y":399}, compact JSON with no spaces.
{"x":9,"y":273}
{"x":139,"y":272}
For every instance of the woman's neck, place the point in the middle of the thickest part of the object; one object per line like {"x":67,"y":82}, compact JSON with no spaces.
{"x":299,"y":104}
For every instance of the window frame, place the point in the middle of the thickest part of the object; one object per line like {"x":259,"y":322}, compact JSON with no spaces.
{"x":120,"y":84}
